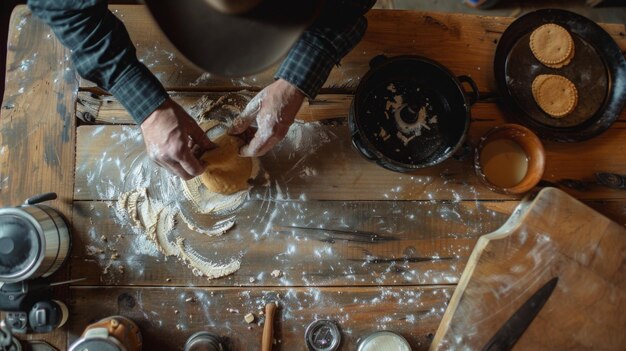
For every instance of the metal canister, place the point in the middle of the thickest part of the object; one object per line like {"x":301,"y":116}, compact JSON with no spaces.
{"x":383,"y":340}
{"x":34,"y":240}
{"x":204,"y":341}
{"x":322,"y":335}
{"x":114,"y":333}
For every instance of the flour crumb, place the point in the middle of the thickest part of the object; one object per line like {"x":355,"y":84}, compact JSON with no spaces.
{"x":92,"y":250}
{"x":276,"y":273}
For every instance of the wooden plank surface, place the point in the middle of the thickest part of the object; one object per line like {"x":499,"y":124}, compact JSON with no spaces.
{"x":105,"y":109}
{"x":37,"y":126}
{"x":463,"y":43}
{"x":428,"y":243}
{"x":452,"y":212}
{"x":328,"y":168}
{"x":37,"y":131}
{"x":412,"y":311}
{"x":424,"y":230}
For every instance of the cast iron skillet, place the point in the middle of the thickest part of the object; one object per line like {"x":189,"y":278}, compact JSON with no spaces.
{"x":433,"y":99}
{"x":598,"y":70}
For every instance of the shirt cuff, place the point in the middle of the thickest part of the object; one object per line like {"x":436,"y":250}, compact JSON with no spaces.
{"x":139,"y":91}
{"x":307,"y":67}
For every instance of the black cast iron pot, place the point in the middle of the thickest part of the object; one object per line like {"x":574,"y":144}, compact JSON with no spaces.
{"x":410,"y":112}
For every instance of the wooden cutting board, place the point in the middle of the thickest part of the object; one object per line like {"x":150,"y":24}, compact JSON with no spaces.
{"x":553,"y":235}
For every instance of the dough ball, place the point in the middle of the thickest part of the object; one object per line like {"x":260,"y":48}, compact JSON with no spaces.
{"x":227,"y":172}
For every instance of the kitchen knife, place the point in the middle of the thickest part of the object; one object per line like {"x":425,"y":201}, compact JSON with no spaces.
{"x":512,"y":330}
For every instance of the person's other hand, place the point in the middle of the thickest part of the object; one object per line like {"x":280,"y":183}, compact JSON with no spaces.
{"x":175,"y":141}
{"x":274,"y":110}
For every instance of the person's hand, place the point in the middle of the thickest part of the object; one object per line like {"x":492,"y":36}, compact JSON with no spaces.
{"x":175,"y":141}
{"x":274,"y":110}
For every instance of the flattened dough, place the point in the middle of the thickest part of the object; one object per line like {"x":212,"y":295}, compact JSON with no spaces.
{"x":552,"y":45}
{"x":227,"y":172}
{"x":555,"y":95}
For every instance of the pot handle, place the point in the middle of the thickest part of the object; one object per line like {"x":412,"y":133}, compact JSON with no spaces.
{"x":378,"y":60}
{"x":475,"y":94}
{"x":40,"y":198}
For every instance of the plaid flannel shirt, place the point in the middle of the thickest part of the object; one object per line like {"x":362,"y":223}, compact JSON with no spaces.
{"x":103,"y":52}
{"x":339,"y":28}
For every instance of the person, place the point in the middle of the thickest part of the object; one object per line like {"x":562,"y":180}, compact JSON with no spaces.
{"x":102,"y":52}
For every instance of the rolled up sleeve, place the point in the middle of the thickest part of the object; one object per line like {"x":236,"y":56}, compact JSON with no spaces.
{"x":102,"y":52}
{"x":338,"y":30}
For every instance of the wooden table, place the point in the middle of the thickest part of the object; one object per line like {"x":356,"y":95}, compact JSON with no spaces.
{"x":435,"y":216}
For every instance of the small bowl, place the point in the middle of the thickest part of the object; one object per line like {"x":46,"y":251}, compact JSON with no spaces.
{"x":531,"y":146}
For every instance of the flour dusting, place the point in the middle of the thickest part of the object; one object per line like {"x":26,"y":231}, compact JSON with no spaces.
{"x":154,"y":202}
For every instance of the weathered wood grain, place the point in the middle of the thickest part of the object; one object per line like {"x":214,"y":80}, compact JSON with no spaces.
{"x":330,"y":169}
{"x":423,"y":229}
{"x":425,"y":243}
{"x":37,"y":126}
{"x":316,"y":162}
{"x":37,"y":146}
{"x":463,"y":43}
{"x":166,"y":319}
{"x":105,"y":109}
{"x":37,"y":134}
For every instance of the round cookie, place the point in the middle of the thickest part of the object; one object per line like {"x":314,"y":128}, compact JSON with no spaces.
{"x":564,"y":63}
{"x":552,"y":44}
{"x":555,"y":95}
{"x":227,"y":172}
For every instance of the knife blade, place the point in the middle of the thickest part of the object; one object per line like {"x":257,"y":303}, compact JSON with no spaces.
{"x":506,"y":337}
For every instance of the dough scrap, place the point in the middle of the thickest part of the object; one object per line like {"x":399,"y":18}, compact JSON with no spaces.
{"x":157,"y":222}
{"x":227,"y":172}
{"x":202,"y":267}
{"x":555,"y":95}
{"x":552,"y":45}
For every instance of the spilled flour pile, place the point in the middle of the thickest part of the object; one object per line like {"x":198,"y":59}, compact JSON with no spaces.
{"x":158,"y":221}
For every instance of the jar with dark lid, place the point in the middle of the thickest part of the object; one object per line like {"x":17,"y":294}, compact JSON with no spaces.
{"x":116,"y":333}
